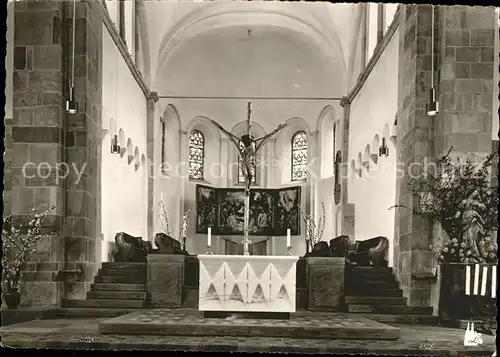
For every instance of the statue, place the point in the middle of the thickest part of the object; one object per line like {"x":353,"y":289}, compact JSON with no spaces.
{"x":474,"y":225}
{"x":247,"y":152}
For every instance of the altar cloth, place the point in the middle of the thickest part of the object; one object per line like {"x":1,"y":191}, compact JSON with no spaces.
{"x":247,"y":283}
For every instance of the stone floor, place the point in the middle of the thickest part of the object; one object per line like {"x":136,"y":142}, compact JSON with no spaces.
{"x":83,"y":334}
{"x":175,"y":322}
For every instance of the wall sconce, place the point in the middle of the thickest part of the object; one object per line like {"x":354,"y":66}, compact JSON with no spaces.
{"x":433,"y":105}
{"x":115,"y":148}
{"x":384,"y":149}
{"x":71,"y":105}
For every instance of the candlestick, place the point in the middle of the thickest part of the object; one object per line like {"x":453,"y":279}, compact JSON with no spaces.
{"x":288,"y":240}
{"x":209,"y":237}
{"x":288,"y":251}
{"x":476,"y":279}
{"x":467,"y":280}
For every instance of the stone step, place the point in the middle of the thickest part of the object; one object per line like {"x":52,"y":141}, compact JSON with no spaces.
{"x":120,"y":265}
{"x":120,"y":279}
{"x":401,"y":319}
{"x":132,"y":295}
{"x":391,"y":309}
{"x":123,"y":272}
{"x":374,"y":292}
{"x":79,"y":312}
{"x":115,"y":287}
{"x":370,"y":277}
{"x":371,"y":285}
{"x":115,"y":303}
{"x":371,"y":270}
{"x":375,"y":300}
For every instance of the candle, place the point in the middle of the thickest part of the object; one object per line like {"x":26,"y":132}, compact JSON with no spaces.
{"x":161,"y":197}
{"x":288,"y":238}
{"x":483,"y":281}
{"x":467,"y":280}
{"x":494,"y":281}
{"x":209,"y":238}
{"x":476,"y":279}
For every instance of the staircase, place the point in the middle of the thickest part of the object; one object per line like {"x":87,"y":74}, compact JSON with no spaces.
{"x":119,"y":288}
{"x":375,"y":292}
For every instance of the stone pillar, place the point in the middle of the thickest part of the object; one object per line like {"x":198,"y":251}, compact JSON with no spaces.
{"x":83,"y":146}
{"x":224,"y":178}
{"x":415,"y":145}
{"x":466,"y":80}
{"x":325,"y":278}
{"x":36,"y":140}
{"x":165,"y":280}
{"x":347,"y":215}
{"x":154,"y":168}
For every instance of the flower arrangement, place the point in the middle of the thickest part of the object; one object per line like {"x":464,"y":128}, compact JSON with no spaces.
{"x":313,"y":232}
{"x":19,"y":244}
{"x":183,"y":229}
{"x":460,"y":197}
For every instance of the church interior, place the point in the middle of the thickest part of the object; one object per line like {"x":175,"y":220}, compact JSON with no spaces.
{"x":193,"y":152}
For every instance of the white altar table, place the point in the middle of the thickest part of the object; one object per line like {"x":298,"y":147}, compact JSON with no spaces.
{"x":247,"y":283}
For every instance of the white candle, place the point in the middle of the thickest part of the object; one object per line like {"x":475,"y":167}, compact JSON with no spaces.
{"x":494,"y":282}
{"x":467,"y":280}
{"x":476,"y":279}
{"x":209,"y":238}
{"x":288,"y":241}
{"x":483,"y":281}
{"x":161,"y":197}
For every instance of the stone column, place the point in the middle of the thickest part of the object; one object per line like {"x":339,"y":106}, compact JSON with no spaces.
{"x":415,"y":145}
{"x":37,"y":139}
{"x":184,"y":169}
{"x":347,"y":220}
{"x":154,"y":167}
{"x":83,"y":146}
{"x":224,"y":178}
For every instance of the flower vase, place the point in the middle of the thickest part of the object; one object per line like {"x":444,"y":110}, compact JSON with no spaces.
{"x":12,"y":298}
{"x":183,"y":243}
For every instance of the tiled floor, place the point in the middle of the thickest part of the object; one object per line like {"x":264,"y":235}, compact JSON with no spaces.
{"x":83,"y":334}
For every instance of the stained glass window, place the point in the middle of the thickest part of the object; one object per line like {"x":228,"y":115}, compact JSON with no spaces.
{"x":241,"y":177}
{"x":299,"y":156}
{"x":196,"y":155}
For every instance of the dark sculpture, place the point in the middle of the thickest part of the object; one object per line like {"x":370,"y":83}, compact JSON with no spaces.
{"x":130,"y":249}
{"x":371,"y":252}
{"x":339,"y":247}
{"x":168,"y":245}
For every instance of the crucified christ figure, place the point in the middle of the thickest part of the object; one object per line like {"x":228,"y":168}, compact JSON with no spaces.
{"x":247,"y":152}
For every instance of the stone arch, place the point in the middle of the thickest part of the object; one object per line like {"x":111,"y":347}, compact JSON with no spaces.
{"x":359,"y":164}
{"x":170,"y":150}
{"x":374,"y":149}
{"x":137,"y":158}
{"x":130,"y":151}
{"x":366,"y":157}
{"x":393,"y":136}
{"x":122,"y":142}
{"x":326,"y":136}
{"x":143,"y":160}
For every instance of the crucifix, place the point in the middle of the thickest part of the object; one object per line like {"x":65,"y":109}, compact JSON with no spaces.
{"x":247,"y":152}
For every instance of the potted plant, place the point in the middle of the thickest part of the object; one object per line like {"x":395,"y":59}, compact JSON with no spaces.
{"x":19,"y":243}
{"x":460,"y":197}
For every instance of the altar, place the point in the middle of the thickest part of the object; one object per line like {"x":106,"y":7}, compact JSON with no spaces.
{"x":239,"y":283}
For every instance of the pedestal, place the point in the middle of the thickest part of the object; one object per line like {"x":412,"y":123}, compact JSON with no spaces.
{"x":326,"y":283}
{"x":165,"y":280}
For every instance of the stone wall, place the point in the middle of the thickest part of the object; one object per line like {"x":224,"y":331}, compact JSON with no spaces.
{"x":44,"y":135}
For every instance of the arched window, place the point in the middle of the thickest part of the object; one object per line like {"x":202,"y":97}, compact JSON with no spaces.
{"x":241,"y":177}
{"x":299,"y":156}
{"x":196,"y":155}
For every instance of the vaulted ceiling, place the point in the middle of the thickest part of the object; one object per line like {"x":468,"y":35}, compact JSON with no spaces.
{"x":250,"y":48}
